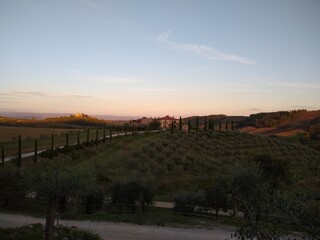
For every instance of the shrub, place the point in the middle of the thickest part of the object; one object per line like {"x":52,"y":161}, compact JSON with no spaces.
{"x":66,"y":233}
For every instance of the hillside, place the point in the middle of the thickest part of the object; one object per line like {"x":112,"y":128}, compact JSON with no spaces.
{"x":281,"y":123}
{"x":55,"y":122}
{"x":194,"y":160}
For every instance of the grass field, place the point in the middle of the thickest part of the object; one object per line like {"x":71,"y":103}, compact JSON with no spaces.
{"x":8,"y":134}
{"x":9,"y":137}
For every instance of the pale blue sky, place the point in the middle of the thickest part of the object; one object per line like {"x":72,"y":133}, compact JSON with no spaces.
{"x":177,"y":57}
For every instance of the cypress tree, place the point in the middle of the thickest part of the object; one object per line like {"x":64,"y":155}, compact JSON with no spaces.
{"x":189,"y":124}
{"x":104,"y":134}
{"x":197,"y":123}
{"x":35,"y":151}
{"x":19,"y":152}
{"x":110,"y":136}
{"x":78,"y":138}
{"x":2,"y":155}
{"x":132,"y":128}
{"x":52,"y":145}
{"x":97,"y":135}
{"x":172,"y":126}
{"x":205,"y":123}
{"x":67,"y":141}
{"x":219,"y":125}
{"x":88,"y":135}
{"x":227,"y":125}
{"x":125,"y":129}
{"x":232,"y":125}
{"x":180,"y":124}
{"x":212,"y":124}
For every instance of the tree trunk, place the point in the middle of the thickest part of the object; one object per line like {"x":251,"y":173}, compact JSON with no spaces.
{"x":51,"y":214}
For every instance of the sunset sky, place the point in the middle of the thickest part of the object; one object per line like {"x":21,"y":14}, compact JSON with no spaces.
{"x":158,"y":57}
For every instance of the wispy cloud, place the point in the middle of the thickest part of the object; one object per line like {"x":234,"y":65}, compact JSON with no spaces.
{"x":76,"y":96}
{"x":192,"y":90}
{"x":26,"y":94}
{"x":108,"y":79}
{"x":313,"y":86}
{"x":201,"y":50}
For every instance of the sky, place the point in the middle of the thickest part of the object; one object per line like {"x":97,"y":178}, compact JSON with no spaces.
{"x":153,"y":58}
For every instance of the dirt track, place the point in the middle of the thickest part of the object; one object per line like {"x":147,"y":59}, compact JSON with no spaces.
{"x":123,"y":231}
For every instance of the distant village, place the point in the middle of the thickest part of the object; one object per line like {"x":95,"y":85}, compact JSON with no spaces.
{"x":165,"y":122}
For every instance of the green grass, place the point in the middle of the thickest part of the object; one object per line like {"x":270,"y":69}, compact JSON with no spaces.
{"x":36,"y":232}
{"x":29,"y":232}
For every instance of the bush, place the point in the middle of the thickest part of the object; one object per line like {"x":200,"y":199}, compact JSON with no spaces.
{"x":65,"y":233}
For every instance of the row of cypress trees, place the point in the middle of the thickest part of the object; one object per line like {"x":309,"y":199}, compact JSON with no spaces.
{"x":208,"y":124}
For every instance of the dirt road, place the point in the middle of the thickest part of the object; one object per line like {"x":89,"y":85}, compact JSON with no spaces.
{"x":123,"y":231}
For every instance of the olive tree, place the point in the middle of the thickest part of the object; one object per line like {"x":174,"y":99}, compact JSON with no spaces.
{"x":127,"y":191}
{"x":10,"y":184}
{"x":55,"y":183}
{"x":217,"y":196}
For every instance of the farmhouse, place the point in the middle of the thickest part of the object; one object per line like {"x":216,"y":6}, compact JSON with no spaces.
{"x":166,"y":122}
{"x":141,"y":121}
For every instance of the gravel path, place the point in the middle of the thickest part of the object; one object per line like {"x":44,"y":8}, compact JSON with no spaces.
{"x":124,"y":231}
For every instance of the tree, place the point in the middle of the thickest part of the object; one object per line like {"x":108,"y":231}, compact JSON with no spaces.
{"x":10,"y":183}
{"x":56,"y":185}
{"x":205,"y":123}
{"x":197,"y":123}
{"x":126,"y":191}
{"x":2,"y":155}
{"x":249,"y":188}
{"x":52,"y":146}
{"x":172,"y":127}
{"x":186,"y":201}
{"x":273,"y":170}
{"x":180,"y":124}
{"x":35,"y":151}
{"x":154,"y":124}
{"x":19,"y":152}
{"x":217,"y":196}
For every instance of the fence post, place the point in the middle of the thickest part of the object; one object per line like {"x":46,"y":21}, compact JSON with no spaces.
{"x":35,"y":151}
{"x":110,"y":136}
{"x":104,"y":134}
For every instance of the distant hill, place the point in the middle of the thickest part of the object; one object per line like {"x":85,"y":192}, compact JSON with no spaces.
{"x":284,"y":123}
{"x":41,"y":116}
{"x":71,"y":121}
